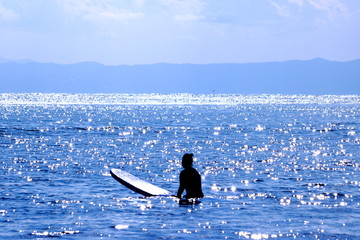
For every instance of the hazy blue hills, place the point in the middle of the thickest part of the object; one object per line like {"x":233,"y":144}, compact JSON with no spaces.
{"x":317,"y":76}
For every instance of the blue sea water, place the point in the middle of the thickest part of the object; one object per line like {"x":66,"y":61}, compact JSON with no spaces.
{"x":272,"y":166}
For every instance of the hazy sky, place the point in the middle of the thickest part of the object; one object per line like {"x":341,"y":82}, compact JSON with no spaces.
{"x":179,"y":31}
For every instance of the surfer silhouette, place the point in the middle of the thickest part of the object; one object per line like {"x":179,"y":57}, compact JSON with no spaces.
{"x":190,"y":179}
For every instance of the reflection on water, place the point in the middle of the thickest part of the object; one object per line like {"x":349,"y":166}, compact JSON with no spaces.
{"x":270,"y":170}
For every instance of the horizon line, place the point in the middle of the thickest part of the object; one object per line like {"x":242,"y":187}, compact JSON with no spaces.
{"x":24,"y":61}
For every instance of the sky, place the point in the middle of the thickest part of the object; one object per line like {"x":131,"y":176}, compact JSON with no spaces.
{"x":116,"y":32}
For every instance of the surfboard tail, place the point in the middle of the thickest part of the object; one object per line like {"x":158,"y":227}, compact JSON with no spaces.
{"x":138,"y":185}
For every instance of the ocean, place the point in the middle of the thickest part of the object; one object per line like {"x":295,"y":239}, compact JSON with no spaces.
{"x":272,"y":166}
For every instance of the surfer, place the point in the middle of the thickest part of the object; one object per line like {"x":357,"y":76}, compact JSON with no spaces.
{"x":190,"y":179}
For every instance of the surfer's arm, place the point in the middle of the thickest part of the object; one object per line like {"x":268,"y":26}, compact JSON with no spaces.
{"x":181,"y":187}
{"x":180,"y":191}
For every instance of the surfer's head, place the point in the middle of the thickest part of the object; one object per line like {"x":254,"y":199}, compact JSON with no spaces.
{"x":187,"y":160}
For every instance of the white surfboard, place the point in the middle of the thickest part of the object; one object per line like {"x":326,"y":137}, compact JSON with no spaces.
{"x":137,"y":185}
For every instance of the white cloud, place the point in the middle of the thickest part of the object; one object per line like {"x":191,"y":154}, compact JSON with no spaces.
{"x":112,"y":15}
{"x":300,"y":3}
{"x":120,"y":15}
{"x":97,"y":10}
{"x":333,"y":8}
{"x":281,"y":10}
{"x":7,"y":14}
{"x":185,"y":10}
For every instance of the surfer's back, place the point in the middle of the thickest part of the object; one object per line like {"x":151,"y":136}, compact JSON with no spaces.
{"x":190,"y":179}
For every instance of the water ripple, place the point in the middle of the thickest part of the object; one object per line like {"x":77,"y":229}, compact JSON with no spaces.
{"x":270,"y":170}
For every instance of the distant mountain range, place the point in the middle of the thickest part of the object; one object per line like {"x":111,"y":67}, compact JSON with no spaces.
{"x":317,"y":76}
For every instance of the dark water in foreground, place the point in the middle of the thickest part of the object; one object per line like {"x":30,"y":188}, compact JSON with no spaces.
{"x":273,"y":167}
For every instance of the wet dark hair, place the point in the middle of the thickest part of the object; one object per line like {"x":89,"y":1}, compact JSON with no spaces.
{"x":187,"y":160}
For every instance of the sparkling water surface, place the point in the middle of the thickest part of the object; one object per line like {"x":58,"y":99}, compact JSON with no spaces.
{"x":272,"y":166}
